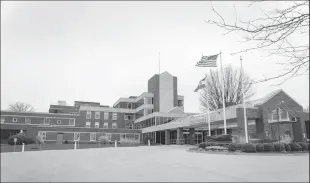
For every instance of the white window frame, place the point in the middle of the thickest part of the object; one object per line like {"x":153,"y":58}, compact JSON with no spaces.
{"x":105,"y":125}
{"x":13,"y":133}
{"x":114,"y":125}
{"x":114,"y":116}
{"x":27,"y":121}
{"x":59,"y":122}
{"x":128,"y":105}
{"x":97,"y":115}
{"x":87,"y":124}
{"x":43,"y":135}
{"x":2,"y":120}
{"x":93,"y":134}
{"x":47,"y":121}
{"x":97,"y":124}
{"x":106,"y":115}
{"x":88,"y":114}
{"x":76,"y":136}
{"x":14,"y":120}
{"x":72,"y":122}
{"x":129,"y":126}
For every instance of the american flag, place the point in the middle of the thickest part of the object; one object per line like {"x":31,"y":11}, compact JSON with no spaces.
{"x":200,"y":85}
{"x":207,"y":61}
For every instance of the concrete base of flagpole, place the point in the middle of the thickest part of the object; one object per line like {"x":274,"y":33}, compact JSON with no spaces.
{"x":115,"y":143}
{"x":149,"y":143}
{"x":23,"y":147}
{"x":75,"y":145}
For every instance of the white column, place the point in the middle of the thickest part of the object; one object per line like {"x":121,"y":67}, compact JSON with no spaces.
{"x":23,"y":147}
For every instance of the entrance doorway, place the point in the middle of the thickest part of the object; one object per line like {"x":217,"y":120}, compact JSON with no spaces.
{"x":60,"y":138}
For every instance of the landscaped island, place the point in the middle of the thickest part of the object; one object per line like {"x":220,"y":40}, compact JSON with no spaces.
{"x":224,"y":143}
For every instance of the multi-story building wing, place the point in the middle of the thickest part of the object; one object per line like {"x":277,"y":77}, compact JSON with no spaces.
{"x":159,"y":114}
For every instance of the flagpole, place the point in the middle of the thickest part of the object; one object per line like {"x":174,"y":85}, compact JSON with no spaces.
{"x":244,"y":107}
{"x":208,"y":111}
{"x":223,"y":95}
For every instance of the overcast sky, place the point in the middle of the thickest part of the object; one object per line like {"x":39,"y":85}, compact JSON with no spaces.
{"x":101,"y":51}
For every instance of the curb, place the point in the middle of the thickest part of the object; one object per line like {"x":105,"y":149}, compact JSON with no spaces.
{"x":257,"y":154}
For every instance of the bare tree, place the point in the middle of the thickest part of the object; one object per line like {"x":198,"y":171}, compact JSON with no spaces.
{"x":21,"y":107}
{"x":233,"y":88}
{"x":275,"y":35}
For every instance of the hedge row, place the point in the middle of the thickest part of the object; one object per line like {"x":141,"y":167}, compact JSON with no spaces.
{"x":269,"y":147}
{"x":206,"y":144}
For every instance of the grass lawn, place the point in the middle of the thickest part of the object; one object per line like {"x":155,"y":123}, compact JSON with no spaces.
{"x":155,"y":164}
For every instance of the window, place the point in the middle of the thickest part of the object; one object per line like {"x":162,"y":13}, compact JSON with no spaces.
{"x":76,"y":136}
{"x":114,"y":117}
{"x":43,"y":135}
{"x":114,"y":125}
{"x":180,"y":102}
{"x":96,"y":124}
{"x":87,"y":125}
{"x":106,"y":115}
{"x":129,"y":126}
{"x":14,"y":120}
{"x":88,"y":115}
{"x":27,"y":121}
{"x":105,"y":125}
{"x":152,"y":100}
{"x":92,"y":136}
{"x":58,"y":122}
{"x":2,"y":120}
{"x":128,"y":117}
{"x":13,"y":133}
{"x":72,"y":122}
{"x":47,"y":121}
{"x":129,"y":105}
{"x":97,"y":115}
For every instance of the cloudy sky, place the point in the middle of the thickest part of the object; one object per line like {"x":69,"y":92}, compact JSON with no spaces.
{"x":100,"y":51}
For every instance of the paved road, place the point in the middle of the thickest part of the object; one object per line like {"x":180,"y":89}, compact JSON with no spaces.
{"x":159,"y":163}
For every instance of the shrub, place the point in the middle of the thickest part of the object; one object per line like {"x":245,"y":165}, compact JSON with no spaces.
{"x":249,"y":148}
{"x":103,"y":139}
{"x":287,"y":147}
{"x":303,"y":145}
{"x":279,"y":147}
{"x":232,"y":147}
{"x":268,"y":147}
{"x":66,"y":142}
{"x":219,"y":138}
{"x":21,"y":138}
{"x":295,"y":147}
{"x":239,"y":146}
{"x":202,"y":145}
{"x":259,"y":147}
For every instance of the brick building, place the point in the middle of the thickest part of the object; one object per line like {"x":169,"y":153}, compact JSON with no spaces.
{"x":159,"y":114}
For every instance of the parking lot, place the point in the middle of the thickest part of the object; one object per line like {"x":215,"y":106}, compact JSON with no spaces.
{"x":156,"y":163}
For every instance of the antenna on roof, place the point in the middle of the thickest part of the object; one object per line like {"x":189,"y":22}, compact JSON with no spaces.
{"x":159,"y":63}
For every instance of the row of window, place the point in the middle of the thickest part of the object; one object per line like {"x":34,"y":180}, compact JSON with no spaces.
{"x":106,"y":116}
{"x":47,"y":121}
{"x":105,"y":125}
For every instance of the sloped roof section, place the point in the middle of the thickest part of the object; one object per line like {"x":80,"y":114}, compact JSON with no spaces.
{"x":176,"y":110}
{"x":266,"y":98}
{"x":261,"y":101}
